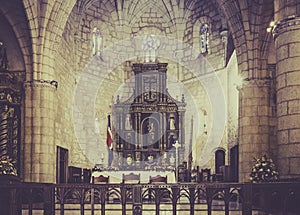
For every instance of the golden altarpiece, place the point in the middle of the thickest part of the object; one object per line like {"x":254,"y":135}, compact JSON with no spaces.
{"x":149,"y":126}
{"x":11,"y":88}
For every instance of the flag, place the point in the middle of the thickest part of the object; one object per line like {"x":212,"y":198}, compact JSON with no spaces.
{"x":109,"y":134}
{"x":109,"y":141}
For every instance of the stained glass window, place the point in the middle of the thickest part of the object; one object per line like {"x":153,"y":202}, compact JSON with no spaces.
{"x":204,"y":38}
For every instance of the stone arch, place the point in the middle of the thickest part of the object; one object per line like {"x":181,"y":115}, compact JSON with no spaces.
{"x":267,"y":43}
{"x":232,"y":11}
{"x":46,"y":33}
{"x":18,"y":24}
{"x":137,"y":11}
{"x":167,"y":17}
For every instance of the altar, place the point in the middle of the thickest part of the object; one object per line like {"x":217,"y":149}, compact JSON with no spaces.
{"x":150,"y":123}
{"x":115,"y":177}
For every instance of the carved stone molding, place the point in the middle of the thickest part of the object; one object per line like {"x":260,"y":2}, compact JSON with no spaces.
{"x":261,"y":83}
{"x":10,"y":96}
{"x":291,"y":23}
{"x":43,"y":84}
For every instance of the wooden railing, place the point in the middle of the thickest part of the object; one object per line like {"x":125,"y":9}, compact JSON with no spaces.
{"x":138,"y":199}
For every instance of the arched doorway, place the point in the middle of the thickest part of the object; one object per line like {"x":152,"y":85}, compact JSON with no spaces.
{"x":219,"y":160}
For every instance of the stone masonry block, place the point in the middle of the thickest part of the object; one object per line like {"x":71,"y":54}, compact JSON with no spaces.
{"x":281,"y":81}
{"x":294,"y":107}
{"x":283,"y":166}
{"x":263,"y":120}
{"x":283,"y":137}
{"x":294,"y":165}
{"x":289,"y":122}
{"x":294,"y":136}
{"x":288,"y":93}
{"x":289,"y":150}
{"x":291,"y":37}
{"x":250,"y":111}
{"x":293,"y":78}
{"x":282,"y":108}
{"x":294,"y":49}
{"x":282,"y":52}
{"x":262,"y":110}
{"x":288,"y":65}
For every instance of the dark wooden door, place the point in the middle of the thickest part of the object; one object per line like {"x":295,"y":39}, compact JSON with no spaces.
{"x":61,"y":165}
{"x":219,"y":160}
{"x":234,"y":163}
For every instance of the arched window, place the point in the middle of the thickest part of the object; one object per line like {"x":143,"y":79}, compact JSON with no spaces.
{"x":204,"y":38}
{"x":97,"y":42}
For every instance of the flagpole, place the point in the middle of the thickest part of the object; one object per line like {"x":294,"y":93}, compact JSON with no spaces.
{"x":109,"y":141}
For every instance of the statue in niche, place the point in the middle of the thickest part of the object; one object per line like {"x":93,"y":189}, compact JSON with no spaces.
{"x":172,"y":123}
{"x":150,"y":133}
{"x":128,"y":122}
{"x":171,"y":141}
{"x":129,"y":160}
{"x":129,"y":141}
{"x":172,"y":160}
{"x":150,"y":45}
{"x":97,"y":42}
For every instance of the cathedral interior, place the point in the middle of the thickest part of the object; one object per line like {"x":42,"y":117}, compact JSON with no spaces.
{"x":192,"y":91}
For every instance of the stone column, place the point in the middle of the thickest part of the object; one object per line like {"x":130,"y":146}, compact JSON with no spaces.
{"x":287,"y":42}
{"x":253,"y":124}
{"x":39,"y":145}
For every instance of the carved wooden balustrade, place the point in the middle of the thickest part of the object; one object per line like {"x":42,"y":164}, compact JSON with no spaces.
{"x":185,"y":198}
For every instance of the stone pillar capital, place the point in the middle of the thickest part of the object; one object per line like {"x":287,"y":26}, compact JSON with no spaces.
{"x":255,"y":83}
{"x":285,"y":25}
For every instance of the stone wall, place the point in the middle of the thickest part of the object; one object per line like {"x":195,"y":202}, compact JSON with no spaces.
{"x":286,"y":36}
{"x":74,"y":59}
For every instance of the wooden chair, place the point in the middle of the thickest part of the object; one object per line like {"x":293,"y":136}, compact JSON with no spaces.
{"x":205,"y":175}
{"x":131,"y":178}
{"x":100,"y":179}
{"x":158,"y":179}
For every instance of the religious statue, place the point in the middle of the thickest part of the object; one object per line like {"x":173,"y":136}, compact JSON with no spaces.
{"x":171,"y":140}
{"x":150,"y":133}
{"x":97,"y":42}
{"x":97,"y":125}
{"x":128,"y":122}
{"x":172,"y":160}
{"x":129,"y":160}
{"x":172,"y":123}
{"x":129,"y":141}
{"x":150,"y":45}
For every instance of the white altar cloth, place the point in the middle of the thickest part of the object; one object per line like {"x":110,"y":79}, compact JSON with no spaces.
{"x":116,"y":176}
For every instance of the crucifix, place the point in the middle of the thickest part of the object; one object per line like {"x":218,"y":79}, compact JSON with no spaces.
{"x":150,"y":88}
{"x":176,"y":145}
